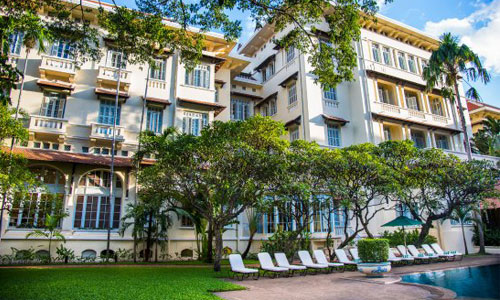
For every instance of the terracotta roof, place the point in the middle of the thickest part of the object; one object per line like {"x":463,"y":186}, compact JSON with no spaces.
{"x":79,"y":158}
{"x":473,"y":105}
{"x":334,"y":119}
{"x":56,"y":84}
{"x":255,"y":97}
{"x":402,"y":120}
{"x":211,"y":105}
{"x":107,"y":92}
{"x":158,"y":100}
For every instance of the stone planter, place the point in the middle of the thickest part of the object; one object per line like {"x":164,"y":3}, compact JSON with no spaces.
{"x":374,"y":269}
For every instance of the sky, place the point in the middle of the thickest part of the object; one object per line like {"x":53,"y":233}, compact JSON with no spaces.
{"x":475,"y":22}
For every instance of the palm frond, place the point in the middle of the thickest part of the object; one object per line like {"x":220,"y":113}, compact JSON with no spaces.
{"x":473,"y":94}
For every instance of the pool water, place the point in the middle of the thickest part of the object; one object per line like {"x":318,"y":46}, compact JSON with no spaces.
{"x":472,"y":282}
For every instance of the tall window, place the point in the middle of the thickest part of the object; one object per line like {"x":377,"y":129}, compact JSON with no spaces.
{"x":385,"y":95}
{"x":437,"y":107}
{"x":387,"y":133}
{"x":192,"y":123}
{"x":154,"y":119}
{"x":114,"y":58}
{"x":376,"y":52}
{"x":330,"y":94}
{"x":30,"y":211}
{"x":186,"y":222}
{"x":106,"y":112}
{"x":412,"y":100}
{"x":53,"y":105}
{"x":16,"y":42}
{"x":442,"y":142}
{"x":268,"y":71}
{"x":418,"y":138}
{"x":424,"y":64}
{"x":273,"y":107}
{"x":240,"y":109}
{"x":386,"y":53}
{"x":402,"y":61}
{"x":199,"y":76}
{"x":292,"y":94}
{"x":290,"y":54}
{"x":93,"y":205}
{"x":158,"y":69}
{"x":333,"y":132}
{"x":294,"y":134}
{"x":62,"y":49}
{"x":411,"y":63}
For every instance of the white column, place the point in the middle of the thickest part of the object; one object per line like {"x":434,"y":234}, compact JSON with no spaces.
{"x":429,"y":139}
{"x":403,"y":132}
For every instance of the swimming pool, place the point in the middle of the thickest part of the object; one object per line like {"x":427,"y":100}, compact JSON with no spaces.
{"x":474,"y":282}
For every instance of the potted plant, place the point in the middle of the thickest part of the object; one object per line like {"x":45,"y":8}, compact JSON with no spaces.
{"x":373,"y":255}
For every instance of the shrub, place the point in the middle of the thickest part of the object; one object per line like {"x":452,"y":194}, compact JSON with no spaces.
{"x":397,"y":237}
{"x":491,"y":236}
{"x":286,"y":242}
{"x":65,"y":254}
{"x":373,"y":250}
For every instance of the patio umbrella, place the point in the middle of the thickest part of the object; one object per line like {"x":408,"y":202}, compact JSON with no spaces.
{"x":402,"y":221}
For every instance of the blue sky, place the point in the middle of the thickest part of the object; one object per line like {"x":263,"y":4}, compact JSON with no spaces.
{"x":477,"y":22}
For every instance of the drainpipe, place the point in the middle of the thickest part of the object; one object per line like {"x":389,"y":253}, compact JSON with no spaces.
{"x":305,"y":118}
{"x":173,"y":88}
{"x":364,"y":83}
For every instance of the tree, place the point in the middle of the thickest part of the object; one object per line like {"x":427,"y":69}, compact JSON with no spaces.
{"x":253,"y":224}
{"x":219,"y":173}
{"x":462,"y":215}
{"x":51,"y":230}
{"x":487,"y":139}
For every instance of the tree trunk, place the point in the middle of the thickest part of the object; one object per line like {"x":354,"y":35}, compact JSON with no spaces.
{"x":424,"y":232}
{"x":149,"y":238}
{"x":210,"y":238}
{"x":50,"y":248}
{"x":249,"y":245}
{"x":135,"y":247}
{"x":482,"y":249}
{"x":218,"y":249}
{"x":156,"y":251}
{"x":463,"y":236}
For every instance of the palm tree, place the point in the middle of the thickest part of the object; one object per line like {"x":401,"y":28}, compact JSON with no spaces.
{"x":463,"y":215}
{"x":446,"y":65}
{"x":50,"y":231}
{"x":487,"y":139}
{"x":253,"y":223}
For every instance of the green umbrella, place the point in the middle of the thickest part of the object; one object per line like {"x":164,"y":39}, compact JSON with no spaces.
{"x":402,"y":221}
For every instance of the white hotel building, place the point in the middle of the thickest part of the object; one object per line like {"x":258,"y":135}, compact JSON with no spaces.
{"x":71,"y":117}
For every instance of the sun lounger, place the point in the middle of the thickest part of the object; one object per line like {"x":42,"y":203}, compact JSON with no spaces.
{"x":342,"y":257}
{"x":238,"y":268}
{"x":282,"y":261}
{"x":267,"y":265}
{"x":354,"y":254}
{"x":306,"y":260}
{"x":438,"y":250}
{"x":392,"y":258}
{"x":418,"y":257}
{"x":320,"y":257}
{"x":414,"y":251}
{"x":428,"y":250}
{"x":404,"y":258}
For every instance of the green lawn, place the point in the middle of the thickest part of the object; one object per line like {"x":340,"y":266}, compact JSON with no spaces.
{"x":112,"y":283}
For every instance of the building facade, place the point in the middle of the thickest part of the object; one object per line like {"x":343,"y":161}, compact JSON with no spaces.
{"x":479,"y":112}
{"x":70,"y":109}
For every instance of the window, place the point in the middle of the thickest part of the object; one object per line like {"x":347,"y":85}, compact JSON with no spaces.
{"x":436,"y":107}
{"x":107,"y":111}
{"x":240,"y":109}
{"x":270,"y":221}
{"x":154,"y":119}
{"x":376,"y":52}
{"x":424,"y":64}
{"x":46,"y":146}
{"x":333,"y":134}
{"x":330,"y":94}
{"x":412,"y":100}
{"x":273,"y":107}
{"x":268,"y":71}
{"x":386,"y":53}
{"x":402,"y":61}
{"x":294,"y":134}
{"x":385,"y":95}
{"x":158,"y":69}
{"x":199,"y":76}
{"x":37,"y":145}
{"x":411,"y":63}
{"x":97,"y":150}
{"x":442,"y":142}
{"x":67,"y":147}
{"x":387,"y":133}
{"x":290,"y":54}
{"x":125,"y":153}
{"x":186,"y":222}
{"x":53,"y":105}
{"x":292,"y":94}
{"x":16,"y":41}
{"x":114,"y":58}
{"x":418,"y":139}
{"x":85,"y":149}
{"x":55,"y":146}
{"x":61,"y":49}
{"x":105,"y":151}
{"x":192,"y":123}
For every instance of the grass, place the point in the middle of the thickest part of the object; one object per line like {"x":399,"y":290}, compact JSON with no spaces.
{"x":224,"y":262}
{"x":112,"y":283}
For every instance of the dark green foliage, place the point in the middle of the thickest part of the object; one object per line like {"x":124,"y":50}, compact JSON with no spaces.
{"x":373,"y":250}
{"x":491,"y":236}
{"x":397,"y":238}
{"x":286,"y":242}
{"x":112,"y":283}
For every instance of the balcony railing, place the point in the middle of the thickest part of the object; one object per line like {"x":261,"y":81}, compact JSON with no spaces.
{"x":57,"y":64}
{"x":158,"y":89}
{"x":48,"y":125}
{"x":105,"y":131}
{"x":111,"y":74}
{"x":410,"y":114}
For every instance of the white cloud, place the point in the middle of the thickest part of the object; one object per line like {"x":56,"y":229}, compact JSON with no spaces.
{"x":480,"y":31}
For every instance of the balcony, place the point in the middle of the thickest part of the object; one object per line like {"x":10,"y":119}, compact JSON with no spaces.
{"x":411,"y":115}
{"x":48,"y":126}
{"x":57,"y":66}
{"x":109,"y":75}
{"x":105,"y":132}
{"x":158,"y":89}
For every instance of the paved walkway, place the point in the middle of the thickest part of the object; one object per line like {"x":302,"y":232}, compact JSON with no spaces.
{"x":351,"y":285}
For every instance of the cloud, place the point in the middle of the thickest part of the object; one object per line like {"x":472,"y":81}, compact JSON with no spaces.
{"x":248,"y":29}
{"x":480,"y":31}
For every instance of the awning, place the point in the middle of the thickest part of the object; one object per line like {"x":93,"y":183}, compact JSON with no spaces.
{"x":295,"y":121}
{"x":163,"y":102}
{"x":407,"y":121}
{"x":55,"y":84}
{"x":221,"y":82}
{"x":209,"y":105}
{"x":333,"y":119}
{"x":272,"y":96}
{"x":407,"y":83}
{"x":294,"y":76}
{"x":253,"y":97}
{"x":108,"y":92}
{"x":265,"y":62}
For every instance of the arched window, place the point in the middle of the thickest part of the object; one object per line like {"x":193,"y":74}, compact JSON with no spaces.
{"x":93,"y":205}
{"x":30,"y":211}
{"x":142,"y":252}
{"x":42,"y":254}
{"x":89,"y":253}
{"x":187,"y":253}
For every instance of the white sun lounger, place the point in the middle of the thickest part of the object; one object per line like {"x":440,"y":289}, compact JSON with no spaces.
{"x":439,"y":251}
{"x":417,"y":257}
{"x":354,"y":254}
{"x":404,"y":258}
{"x":320,"y":257}
{"x":414,"y":251}
{"x":282,"y":261}
{"x":342,"y":257}
{"x":443,"y":256}
{"x":238,"y":268}
{"x":267,"y":265}
{"x":392,"y":258}
{"x":306,"y":260}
